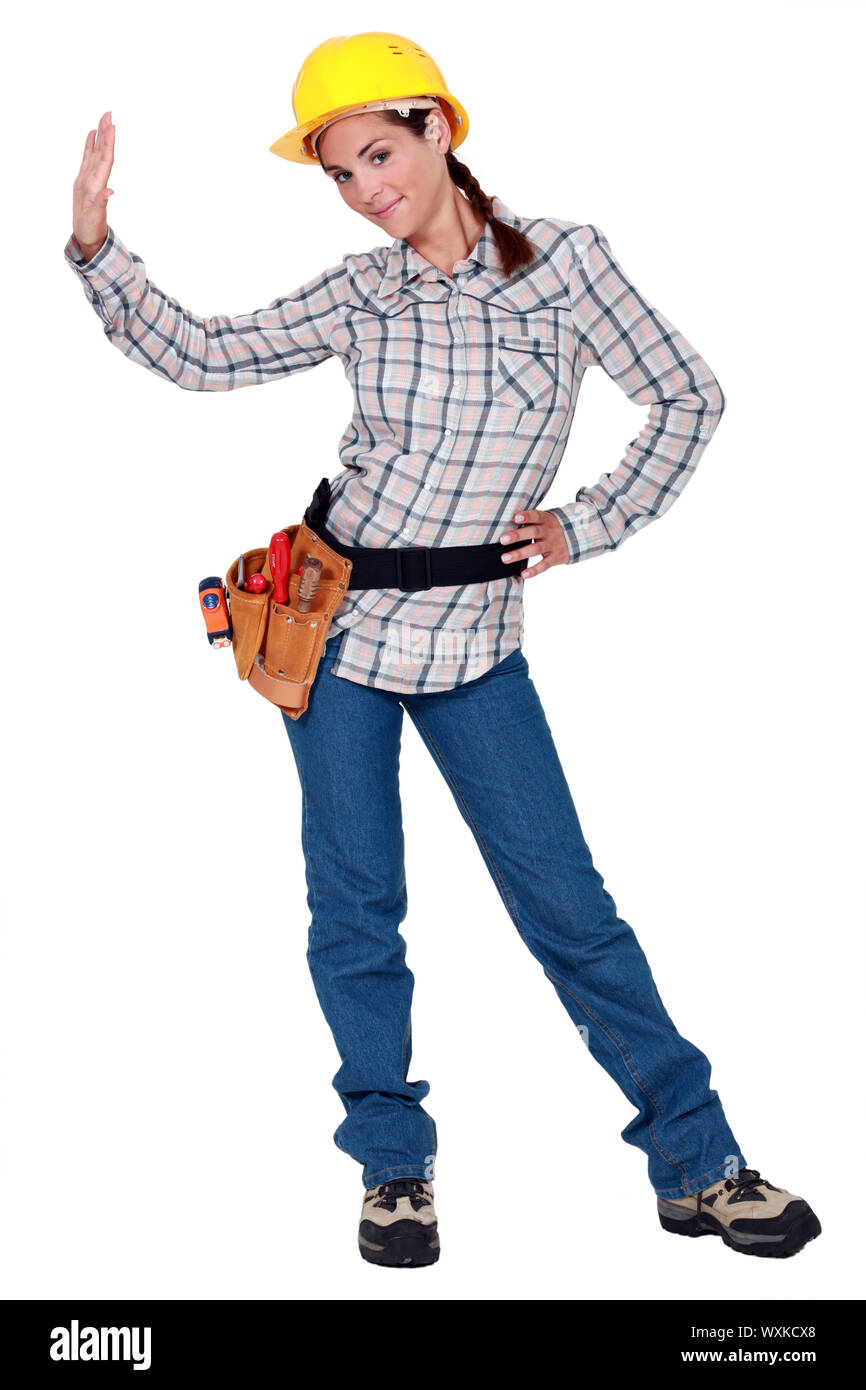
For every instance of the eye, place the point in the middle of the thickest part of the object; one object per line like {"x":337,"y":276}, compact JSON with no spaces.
{"x":338,"y":178}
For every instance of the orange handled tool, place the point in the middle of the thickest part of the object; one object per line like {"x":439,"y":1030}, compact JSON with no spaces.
{"x":212,"y":597}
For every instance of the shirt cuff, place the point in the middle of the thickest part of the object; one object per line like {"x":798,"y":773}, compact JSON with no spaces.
{"x":584,"y":530}
{"x":105,"y":275}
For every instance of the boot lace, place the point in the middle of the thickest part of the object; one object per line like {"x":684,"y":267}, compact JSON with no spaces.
{"x":748,"y":1180}
{"x":388,"y":1192}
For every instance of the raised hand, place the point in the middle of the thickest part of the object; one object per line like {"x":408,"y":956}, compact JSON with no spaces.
{"x":90,"y":192}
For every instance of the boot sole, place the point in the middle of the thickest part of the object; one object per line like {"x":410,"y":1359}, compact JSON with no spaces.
{"x":403,"y":1245}
{"x":803,"y":1229}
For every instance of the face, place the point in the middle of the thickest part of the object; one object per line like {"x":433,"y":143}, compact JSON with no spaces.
{"x":375,"y":163}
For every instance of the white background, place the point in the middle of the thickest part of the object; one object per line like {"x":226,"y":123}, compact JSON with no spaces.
{"x":166,"y":1090}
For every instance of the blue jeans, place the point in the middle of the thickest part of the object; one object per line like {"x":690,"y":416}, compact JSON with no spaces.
{"x":491,"y":742}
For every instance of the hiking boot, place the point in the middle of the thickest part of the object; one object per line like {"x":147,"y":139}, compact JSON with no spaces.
{"x":398,"y":1224}
{"x":749,"y":1213}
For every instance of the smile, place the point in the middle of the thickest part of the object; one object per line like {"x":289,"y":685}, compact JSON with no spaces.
{"x":386,"y":211}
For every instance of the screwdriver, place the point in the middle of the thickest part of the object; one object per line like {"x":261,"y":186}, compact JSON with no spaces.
{"x":280,"y":559}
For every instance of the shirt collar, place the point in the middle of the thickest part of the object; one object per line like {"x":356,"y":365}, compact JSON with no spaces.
{"x":403,"y":263}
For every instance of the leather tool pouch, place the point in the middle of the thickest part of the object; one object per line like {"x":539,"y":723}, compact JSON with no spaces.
{"x":277,"y":648}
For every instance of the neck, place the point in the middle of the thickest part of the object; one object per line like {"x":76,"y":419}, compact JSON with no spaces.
{"x":452,"y":235}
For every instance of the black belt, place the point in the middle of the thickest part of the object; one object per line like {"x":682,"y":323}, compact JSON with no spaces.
{"x":410,"y":568}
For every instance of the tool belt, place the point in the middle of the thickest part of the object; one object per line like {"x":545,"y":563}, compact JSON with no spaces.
{"x":277,"y":648}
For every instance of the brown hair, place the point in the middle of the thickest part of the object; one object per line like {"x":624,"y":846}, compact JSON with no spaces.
{"x":515,"y":249}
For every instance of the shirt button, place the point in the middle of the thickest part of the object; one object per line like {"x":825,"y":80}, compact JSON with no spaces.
{"x":448,"y":431}
{"x":428,"y":487}
{"x":407,"y":530}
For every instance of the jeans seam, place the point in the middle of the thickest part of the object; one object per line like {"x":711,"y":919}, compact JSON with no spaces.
{"x":408,"y":1032}
{"x":305,"y":835}
{"x":394,"y":1168}
{"x":624,"y":1053}
{"x":705,"y":1179}
{"x":632,"y":1071}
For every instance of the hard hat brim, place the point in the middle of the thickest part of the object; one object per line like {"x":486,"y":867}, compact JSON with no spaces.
{"x":296,"y":147}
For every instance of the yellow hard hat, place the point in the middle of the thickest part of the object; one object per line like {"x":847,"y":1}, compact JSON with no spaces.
{"x":362,"y":71}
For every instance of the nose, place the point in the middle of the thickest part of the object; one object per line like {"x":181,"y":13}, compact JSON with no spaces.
{"x":372,"y":194}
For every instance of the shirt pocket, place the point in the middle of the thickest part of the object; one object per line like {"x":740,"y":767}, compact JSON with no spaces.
{"x":526,"y":371}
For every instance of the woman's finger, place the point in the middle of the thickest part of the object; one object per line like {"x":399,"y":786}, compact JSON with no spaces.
{"x":525,"y":553}
{"x":108,"y":140}
{"x":107,"y":152}
{"x":98,"y":158}
{"x":536,"y":569}
{"x":99,"y":135}
{"x":523,"y":533}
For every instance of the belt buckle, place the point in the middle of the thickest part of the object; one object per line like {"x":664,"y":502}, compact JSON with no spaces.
{"x":414,"y":550}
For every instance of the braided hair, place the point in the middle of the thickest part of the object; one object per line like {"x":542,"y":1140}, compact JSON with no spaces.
{"x":515,"y":249}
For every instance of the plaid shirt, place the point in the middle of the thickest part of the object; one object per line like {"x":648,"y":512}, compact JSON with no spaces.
{"x":465,"y":388}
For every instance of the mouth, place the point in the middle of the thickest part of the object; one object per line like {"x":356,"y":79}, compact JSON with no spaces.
{"x":387,"y":210}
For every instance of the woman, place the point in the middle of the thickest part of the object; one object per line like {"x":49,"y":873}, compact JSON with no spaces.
{"x":465,"y":341}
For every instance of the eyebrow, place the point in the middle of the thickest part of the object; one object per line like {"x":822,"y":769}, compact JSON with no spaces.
{"x":328,"y":167}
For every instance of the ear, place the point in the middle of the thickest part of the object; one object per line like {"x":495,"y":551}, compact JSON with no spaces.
{"x":437,"y":129}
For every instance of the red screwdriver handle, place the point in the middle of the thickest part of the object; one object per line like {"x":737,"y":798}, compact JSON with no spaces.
{"x":280,"y":559}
